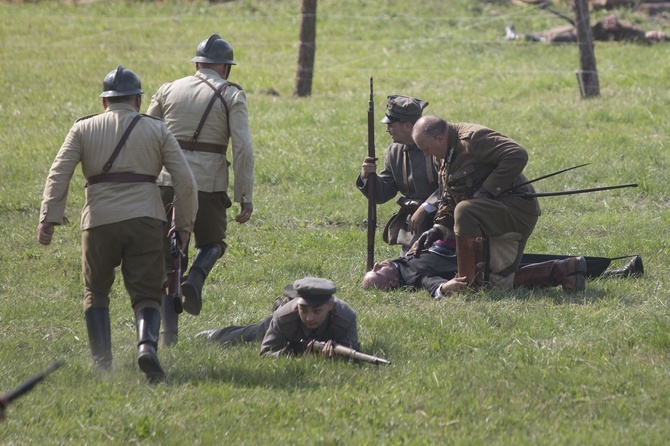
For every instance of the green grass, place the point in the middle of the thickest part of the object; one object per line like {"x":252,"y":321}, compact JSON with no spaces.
{"x":527,"y":367}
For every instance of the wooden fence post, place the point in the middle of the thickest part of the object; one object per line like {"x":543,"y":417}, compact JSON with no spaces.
{"x":303,"y":80}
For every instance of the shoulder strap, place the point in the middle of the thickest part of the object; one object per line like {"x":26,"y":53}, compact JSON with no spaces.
{"x":218,"y":93}
{"x":429,"y":169}
{"x":122,"y":141}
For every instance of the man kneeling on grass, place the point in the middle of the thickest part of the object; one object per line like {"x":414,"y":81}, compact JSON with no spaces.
{"x":312,"y":313}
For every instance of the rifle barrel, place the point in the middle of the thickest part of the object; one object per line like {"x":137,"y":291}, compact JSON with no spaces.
{"x":372,"y":181}
{"x":28,"y":384}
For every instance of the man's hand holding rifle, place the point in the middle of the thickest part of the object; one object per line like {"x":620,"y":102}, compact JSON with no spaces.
{"x":331,"y":348}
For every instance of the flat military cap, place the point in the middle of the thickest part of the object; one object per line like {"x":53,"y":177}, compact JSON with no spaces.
{"x":403,"y":109}
{"x":312,"y":291}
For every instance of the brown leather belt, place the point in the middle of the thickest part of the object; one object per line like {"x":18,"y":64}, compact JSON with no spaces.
{"x":203,"y":147}
{"x":121,"y":177}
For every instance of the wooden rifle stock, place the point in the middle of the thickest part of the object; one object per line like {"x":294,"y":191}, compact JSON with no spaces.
{"x":341,"y":350}
{"x":372,"y":182}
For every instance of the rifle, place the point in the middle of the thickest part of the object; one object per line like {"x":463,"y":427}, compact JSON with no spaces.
{"x":28,"y":384}
{"x":576,"y":191}
{"x":341,"y":350}
{"x":174,"y":286}
{"x":372,"y":180}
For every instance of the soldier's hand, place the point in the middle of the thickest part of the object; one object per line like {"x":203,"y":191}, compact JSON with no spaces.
{"x":328,"y":349}
{"x":428,"y":238}
{"x":369,"y":166}
{"x":246,"y":210}
{"x":45,"y":232}
{"x":184,"y":236}
{"x":417,"y":219}
{"x":452,"y":286}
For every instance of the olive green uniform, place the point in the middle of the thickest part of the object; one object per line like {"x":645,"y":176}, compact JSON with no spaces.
{"x":122,"y":223}
{"x":482,"y":158}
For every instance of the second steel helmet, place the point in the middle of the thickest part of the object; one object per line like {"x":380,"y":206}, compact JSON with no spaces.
{"x":121,"y":82}
{"x":214,"y":50}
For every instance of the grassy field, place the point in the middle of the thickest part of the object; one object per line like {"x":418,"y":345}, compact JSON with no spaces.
{"x":527,"y":367}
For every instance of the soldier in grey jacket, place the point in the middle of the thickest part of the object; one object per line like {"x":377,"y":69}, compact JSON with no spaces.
{"x":407,"y":171}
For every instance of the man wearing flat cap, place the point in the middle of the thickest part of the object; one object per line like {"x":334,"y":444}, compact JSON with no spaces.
{"x":312,"y":313}
{"x":406,"y":170}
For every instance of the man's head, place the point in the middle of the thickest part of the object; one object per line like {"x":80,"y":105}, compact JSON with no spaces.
{"x":122,"y":85}
{"x":431,"y":135}
{"x":383,"y":276}
{"x":401,"y":114}
{"x":214,"y":53}
{"x":315,"y":299}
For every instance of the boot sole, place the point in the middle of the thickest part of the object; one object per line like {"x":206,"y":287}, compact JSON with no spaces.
{"x":192,"y":305}
{"x":151,"y":367}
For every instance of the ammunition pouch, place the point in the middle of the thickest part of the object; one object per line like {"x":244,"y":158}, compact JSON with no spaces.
{"x":396,"y":230}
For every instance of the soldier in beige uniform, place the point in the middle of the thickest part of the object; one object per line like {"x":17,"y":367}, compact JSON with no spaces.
{"x":122,"y":153}
{"x":204,"y":112}
{"x":482,"y":204}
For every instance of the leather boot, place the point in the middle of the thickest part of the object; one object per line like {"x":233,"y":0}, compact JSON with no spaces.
{"x":204,"y":260}
{"x":170,"y":322}
{"x":470,"y":258}
{"x":570,"y":273}
{"x":148,"y":326}
{"x":634,"y":268}
{"x":99,"y":336}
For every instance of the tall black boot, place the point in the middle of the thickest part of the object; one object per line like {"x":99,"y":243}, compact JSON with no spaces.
{"x":170,"y":322}
{"x":204,"y":260}
{"x":99,"y":336}
{"x":148,"y":326}
{"x":634,"y":268}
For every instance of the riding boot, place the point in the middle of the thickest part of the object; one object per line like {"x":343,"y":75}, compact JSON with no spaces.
{"x":634,"y":268}
{"x":99,"y":336}
{"x":148,"y":326}
{"x":470,"y":258}
{"x":570,"y":273}
{"x":170,"y":321}
{"x":203,"y":262}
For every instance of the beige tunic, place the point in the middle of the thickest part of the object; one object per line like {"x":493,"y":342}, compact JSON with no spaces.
{"x":181,"y":104}
{"x":149,"y":147}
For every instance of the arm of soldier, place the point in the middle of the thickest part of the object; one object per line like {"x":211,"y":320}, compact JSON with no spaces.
{"x":506,"y":154}
{"x":274,"y":342}
{"x":185,"y":187}
{"x":243,"y":155}
{"x":54,"y":197}
{"x":386,"y":186}
{"x":155,"y":106}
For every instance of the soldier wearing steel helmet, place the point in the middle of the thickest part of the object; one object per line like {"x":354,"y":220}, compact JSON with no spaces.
{"x":205,"y":111}
{"x":121,"y":153}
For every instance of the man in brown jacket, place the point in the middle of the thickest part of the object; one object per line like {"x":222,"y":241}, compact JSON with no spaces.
{"x":481,"y":205}
{"x":204,"y":111}
{"x":123,"y":220}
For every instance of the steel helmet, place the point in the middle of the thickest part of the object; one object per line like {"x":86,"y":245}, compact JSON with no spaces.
{"x":121,"y":82}
{"x":214,"y":50}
